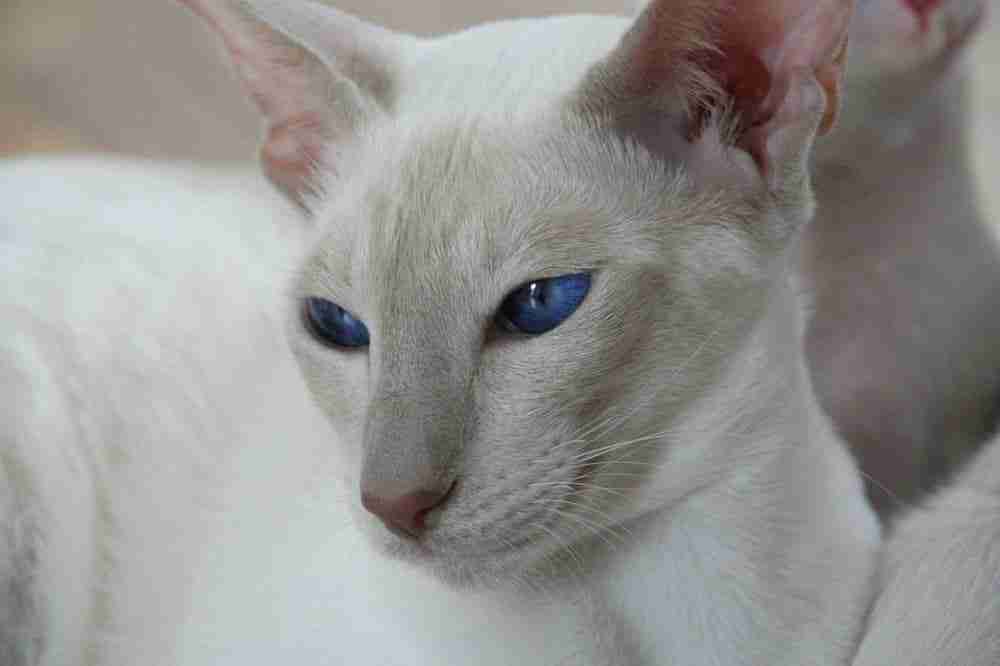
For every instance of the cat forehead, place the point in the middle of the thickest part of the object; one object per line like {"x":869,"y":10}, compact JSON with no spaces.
{"x":478,"y":194}
{"x":482,"y":164}
{"x":508,"y":66}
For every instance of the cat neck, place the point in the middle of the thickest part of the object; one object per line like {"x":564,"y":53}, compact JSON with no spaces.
{"x":769,"y":546}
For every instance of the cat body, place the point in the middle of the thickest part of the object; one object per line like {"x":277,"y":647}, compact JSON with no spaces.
{"x":131,"y":354}
{"x":649,"y":481}
{"x":937,"y":604}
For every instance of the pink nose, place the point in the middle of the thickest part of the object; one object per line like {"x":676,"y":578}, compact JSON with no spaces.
{"x":407,"y":513}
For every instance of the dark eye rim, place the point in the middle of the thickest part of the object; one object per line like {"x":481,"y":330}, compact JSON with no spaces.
{"x":318,"y":337}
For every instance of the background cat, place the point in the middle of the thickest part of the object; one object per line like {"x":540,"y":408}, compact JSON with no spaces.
{"x":901,"y":264}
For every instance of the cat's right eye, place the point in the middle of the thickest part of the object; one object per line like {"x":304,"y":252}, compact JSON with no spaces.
{"x":539,"y":306}
{"x":333,"y":325}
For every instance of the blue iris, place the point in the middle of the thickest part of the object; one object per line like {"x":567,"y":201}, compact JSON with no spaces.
{"x":334,"y":325}
{"x":540,"y":305}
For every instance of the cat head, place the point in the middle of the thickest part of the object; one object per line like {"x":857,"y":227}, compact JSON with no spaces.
{"x":537,"y":245}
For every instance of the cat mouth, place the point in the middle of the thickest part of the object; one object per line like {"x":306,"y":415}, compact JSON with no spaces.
{"x":507,"y":542}
{"x":500,"y":532}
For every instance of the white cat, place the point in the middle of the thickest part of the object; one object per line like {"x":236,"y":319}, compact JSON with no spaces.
{"x":544,"y":306}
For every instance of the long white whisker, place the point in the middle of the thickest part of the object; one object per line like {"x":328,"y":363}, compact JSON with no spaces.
{"x":591,"y":454}
{"x":606,"y":521}
{"x":596,"y":529}
{"x":576,"y":485}
{"x":577,"y":560}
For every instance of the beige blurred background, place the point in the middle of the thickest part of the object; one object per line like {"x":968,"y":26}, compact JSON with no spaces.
{"x":141,"y":77}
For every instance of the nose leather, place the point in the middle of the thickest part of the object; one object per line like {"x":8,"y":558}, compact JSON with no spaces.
{"x":406,"y":513}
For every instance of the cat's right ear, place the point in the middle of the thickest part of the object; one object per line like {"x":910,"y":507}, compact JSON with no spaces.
{"x":316,"y":75}
{"x":764,"y":76}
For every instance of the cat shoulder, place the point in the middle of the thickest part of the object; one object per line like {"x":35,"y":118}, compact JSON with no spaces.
{"x":938,"y":600}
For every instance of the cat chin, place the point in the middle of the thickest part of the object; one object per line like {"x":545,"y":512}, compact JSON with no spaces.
{"x":520,"y":564}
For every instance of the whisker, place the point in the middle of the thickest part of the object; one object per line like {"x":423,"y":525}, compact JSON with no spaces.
{"x":893,"y":497}
{"x":607,"y":521}
{"x":576,"y":485}
{"x":596,"y":529}
{"x":577,"y":560}
{"x":585,"y":456}
{"x":610,"y":448}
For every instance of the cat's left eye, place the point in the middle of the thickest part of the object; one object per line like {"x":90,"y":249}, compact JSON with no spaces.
{"x":333,"y":325}
{"x":541,"y":305}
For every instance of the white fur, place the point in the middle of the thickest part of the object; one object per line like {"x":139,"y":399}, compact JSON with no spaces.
{"x":939,"y":599}
{"x":128,"y":352}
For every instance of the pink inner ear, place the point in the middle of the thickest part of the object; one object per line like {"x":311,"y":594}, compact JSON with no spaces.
{"x":923,"y":9}
{"x":292,"y":150}
{"x":285,"y":83}
{"x":765,"y":46}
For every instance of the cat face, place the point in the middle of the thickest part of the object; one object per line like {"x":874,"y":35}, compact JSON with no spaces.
{"x":526,"y":432}
{"x":530,"y":265}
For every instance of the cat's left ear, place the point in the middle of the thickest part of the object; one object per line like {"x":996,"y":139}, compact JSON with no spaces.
{"x":316,"y":75}
{"x":761,"y":74}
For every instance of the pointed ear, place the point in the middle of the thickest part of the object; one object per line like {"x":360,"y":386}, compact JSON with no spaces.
{"x":746,"y":68}
{"x":315,"y":74}
{"x":925,"y":37}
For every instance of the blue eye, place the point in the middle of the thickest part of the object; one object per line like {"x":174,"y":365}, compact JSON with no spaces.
{"x":540,"y":305}
{"x":334,"y":325}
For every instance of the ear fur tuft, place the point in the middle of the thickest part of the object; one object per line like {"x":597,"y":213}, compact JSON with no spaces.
{"x":742,"y":66}
{"x":315,"y":74}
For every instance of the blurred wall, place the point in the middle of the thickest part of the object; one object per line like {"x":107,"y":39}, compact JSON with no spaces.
{"x":142,"y":77}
